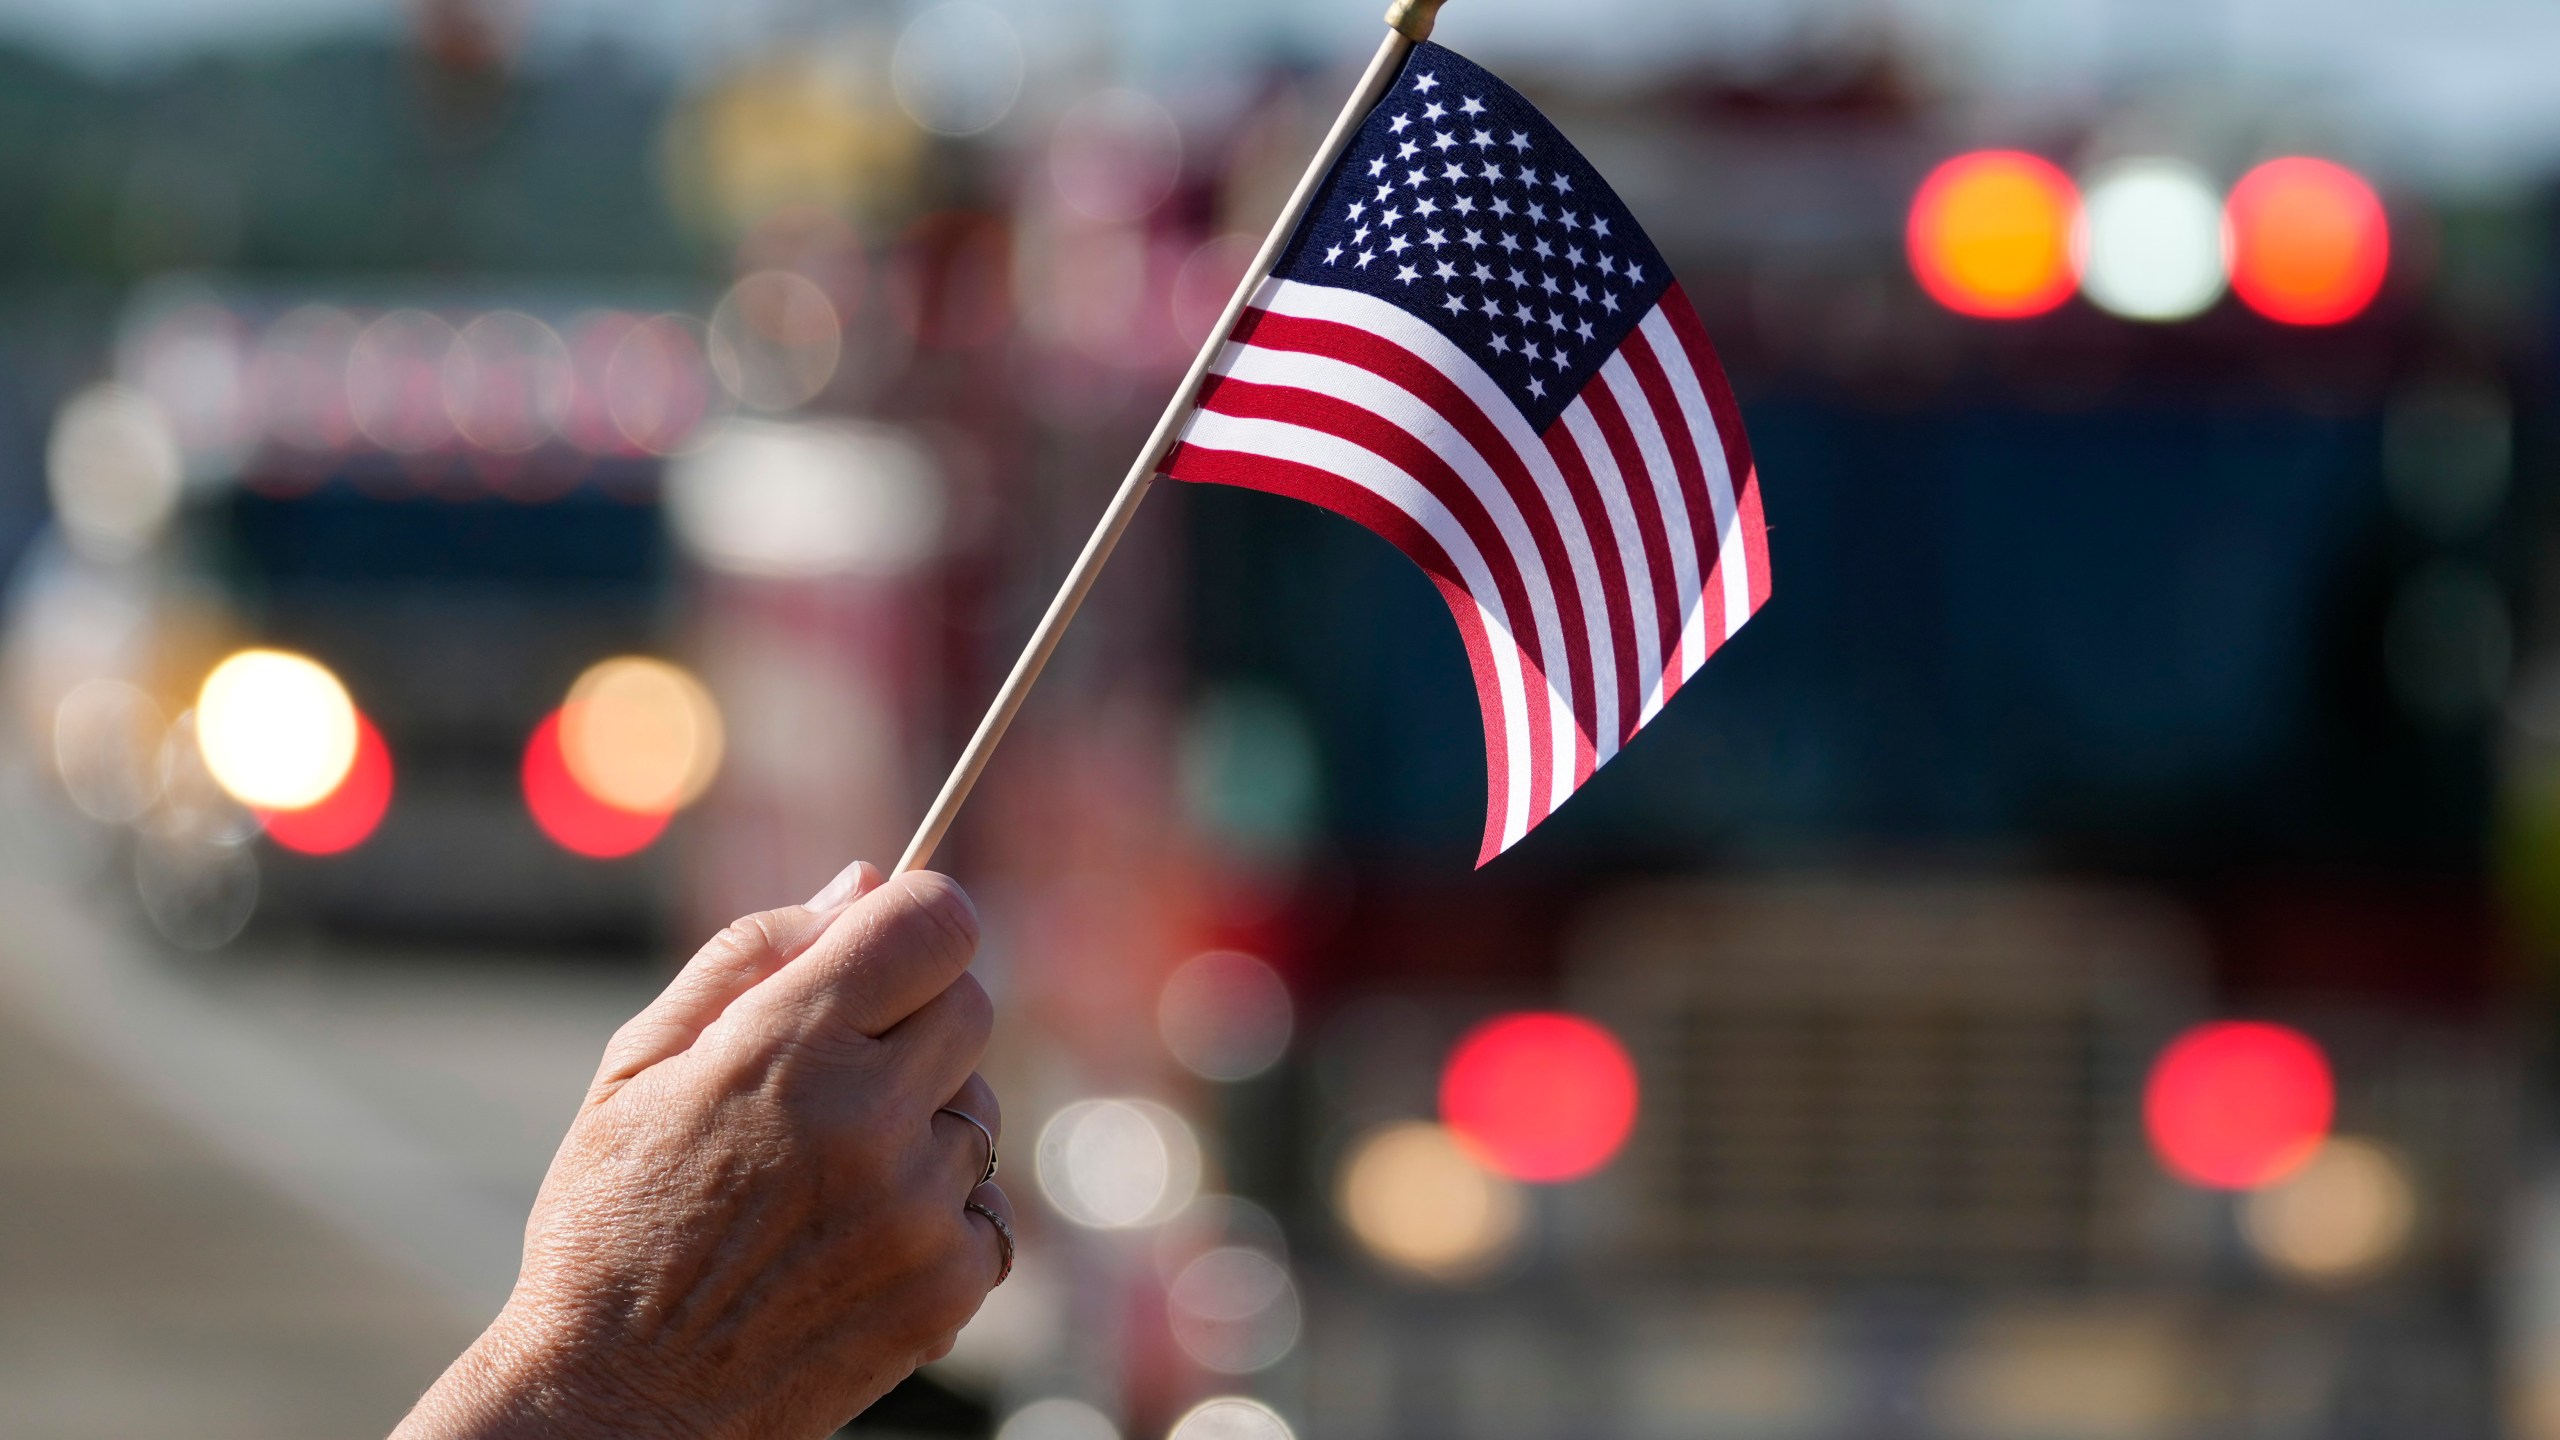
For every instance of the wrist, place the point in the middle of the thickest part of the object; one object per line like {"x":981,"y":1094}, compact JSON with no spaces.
{"x":529,"y":1376}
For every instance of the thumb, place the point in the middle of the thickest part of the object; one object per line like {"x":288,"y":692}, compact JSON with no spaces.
{"x":735,"y":961}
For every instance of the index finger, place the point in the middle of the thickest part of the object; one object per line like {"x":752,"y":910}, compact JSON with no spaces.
{"x":883,"y":958}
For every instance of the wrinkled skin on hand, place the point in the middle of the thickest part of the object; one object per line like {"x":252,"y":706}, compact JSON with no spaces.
{"x":755,"y":1225}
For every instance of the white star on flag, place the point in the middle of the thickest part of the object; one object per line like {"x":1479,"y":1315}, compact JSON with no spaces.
{"x":1585,"y":502}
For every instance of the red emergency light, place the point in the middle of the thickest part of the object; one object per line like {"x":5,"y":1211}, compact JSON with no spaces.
{"x":2238,"y":1105}
{"x":1990,"y":235}
{"x":2310,"y":242}
{"x":347,"y":816}
{"x":1540,"y":1097}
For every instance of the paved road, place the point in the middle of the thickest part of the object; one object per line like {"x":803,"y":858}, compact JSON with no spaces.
{"x":266,"y":1193}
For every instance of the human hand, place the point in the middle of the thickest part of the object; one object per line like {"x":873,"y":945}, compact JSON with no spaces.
{"x":755,"y":1225}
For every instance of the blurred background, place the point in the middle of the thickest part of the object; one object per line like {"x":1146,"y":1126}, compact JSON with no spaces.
{"x":490,"y":489}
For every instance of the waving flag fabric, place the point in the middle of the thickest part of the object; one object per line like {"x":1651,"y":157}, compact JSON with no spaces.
{"x":1470,"y":348}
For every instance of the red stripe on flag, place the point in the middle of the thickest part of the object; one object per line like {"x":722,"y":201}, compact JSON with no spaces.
{"x":1755,"y":539}
{"x":1629,"y":700}
{"x":1657,"y":535}
{"x":1365,"y":508}
{"x":1737,"y":445}
{"x":1247,"y":400}
{"x":1647,"y":368}
{"x":1425,"y":382}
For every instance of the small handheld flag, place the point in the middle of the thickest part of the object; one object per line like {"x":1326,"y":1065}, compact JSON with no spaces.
{"x":1470,"y":348}
{"x":1458,"y":337}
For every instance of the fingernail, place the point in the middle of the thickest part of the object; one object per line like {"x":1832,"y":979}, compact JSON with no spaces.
{"x":838,"y":890}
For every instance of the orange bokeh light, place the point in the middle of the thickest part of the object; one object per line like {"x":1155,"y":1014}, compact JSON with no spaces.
{"x":1540,"y":1097}
{"x":575,"y":820}
{"x":2238,"y":1105}
{"x":2309,"y":241}
{"x":348,"y":815}
{"x":1990,"y":235}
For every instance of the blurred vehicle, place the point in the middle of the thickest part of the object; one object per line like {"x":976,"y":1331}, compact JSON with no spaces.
{"x":449,"y":516}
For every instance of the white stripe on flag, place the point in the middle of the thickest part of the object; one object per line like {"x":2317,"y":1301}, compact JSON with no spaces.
{"x":1596,"y":458}
{"x":1297,"y":444}
{"x":1623,"y":387}
{"x":1732,"y":562}
{"x":1378,"y":317}
{"x":1374,"y":393}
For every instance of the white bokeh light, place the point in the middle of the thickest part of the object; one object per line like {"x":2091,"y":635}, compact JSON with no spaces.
{"x":2344,"y":1216}
{"x":1118,"y":1164}
{"x":1058,"y":1418}
{"x":114,"y":472}
{"x":1225,"y":1015}
{"x":277,"y":730}
{"x":2152,"y":241}
{"x":775,"y":340}
{"x":508,"y":382}
{"x":957,"y":69}
{"x":395,"y":381}
{"x":1415,"y":1197}
{"x":1116,"y":155}
{"x":1234,"y":1310}
{"x":106,"y":748}
{"x":797,"y":499}
{"x":1231,"y":1417}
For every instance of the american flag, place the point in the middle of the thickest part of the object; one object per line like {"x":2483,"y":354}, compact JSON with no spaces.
{"x":1470,"y":348}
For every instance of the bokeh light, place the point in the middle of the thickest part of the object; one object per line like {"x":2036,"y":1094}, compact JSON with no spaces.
{"x":1231,"y":1417}
{"x":508,"y":382}
{"x":1118,"y":1164}
{"x":2152,"y":241}
{"x":1225,"y":1015}
{"x":1234,"y":1310}
{"x":350,"y":813}
{"x":277,"y":730}
{"x":1116,"y":156}
{"x":642,"y":385}
{"x":775,"y":340}
{"x":1058,"y":1418}
{"x":2345,"y":1215}
{"x":1207,"y":281}
{"x":298,"y":378}
{"x":199,"y":892}
{"x":957,"y":69}
{"x":1540,"y":1097}
{"x":641,"y":734}
{"x":2235,"y":1105}
{"x":574,"y":819}
{"x":2310,"y":243}
{"x":1990,"y":235}
{"x":2448,"y":643}
{"x":1419,"y":1200}
{"x":113,"y":471}
{"x":106,"y":748}
{"x":783,"y":499}
{"x":658,"y":384}
{"x":193,"y":806}
{"x":395,"y":381}
{"x":1211,"y":1221}
{"x":192,"y":358}
{"x":2448,"y":454}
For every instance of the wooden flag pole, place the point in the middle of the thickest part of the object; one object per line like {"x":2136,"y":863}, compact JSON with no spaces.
{"x":1409,"y":24}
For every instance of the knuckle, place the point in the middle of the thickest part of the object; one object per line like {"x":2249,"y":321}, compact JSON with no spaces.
{"x":973,"y":1010}
{"x":945,"y":908}
{"x":744,"y":938}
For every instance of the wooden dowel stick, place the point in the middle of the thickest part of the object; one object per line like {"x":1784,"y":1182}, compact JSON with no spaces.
{"x":1412,"y":27}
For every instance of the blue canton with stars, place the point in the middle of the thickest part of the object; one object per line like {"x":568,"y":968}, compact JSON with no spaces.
{"x":1458,"y":203}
